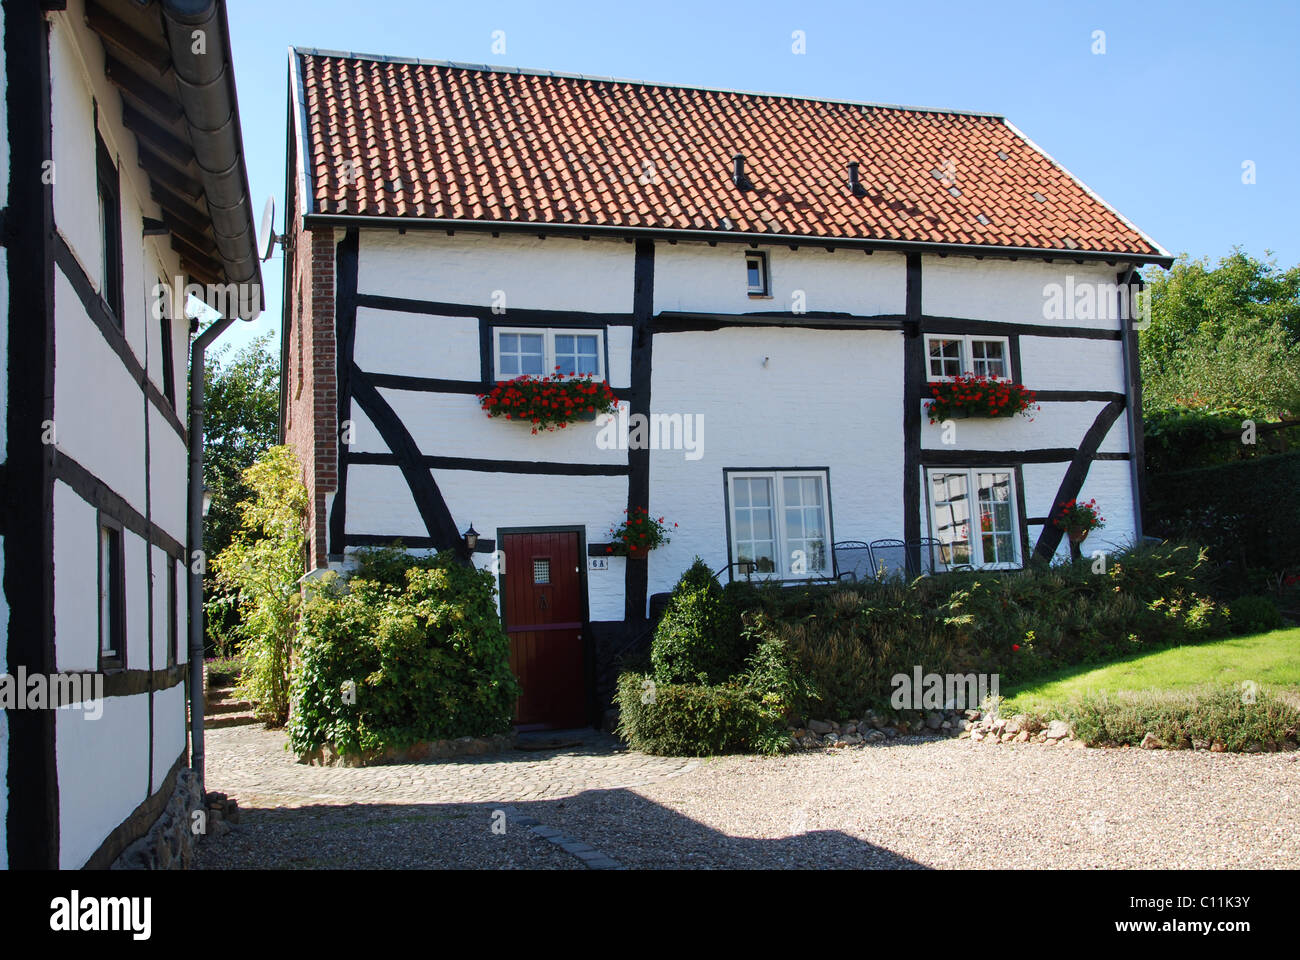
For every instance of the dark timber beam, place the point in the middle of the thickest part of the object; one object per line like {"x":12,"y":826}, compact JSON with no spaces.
{"x":141,"y":91}
{"x":126,"y":39}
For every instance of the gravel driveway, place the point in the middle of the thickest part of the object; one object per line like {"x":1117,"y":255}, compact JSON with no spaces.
{"x":905,"y":804}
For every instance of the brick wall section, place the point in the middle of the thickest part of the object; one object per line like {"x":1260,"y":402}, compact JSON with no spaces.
{"x":311,"y":406}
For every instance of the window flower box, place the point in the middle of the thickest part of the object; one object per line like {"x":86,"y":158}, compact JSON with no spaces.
{"x":549,"y":403}
{"x":978,"y":396}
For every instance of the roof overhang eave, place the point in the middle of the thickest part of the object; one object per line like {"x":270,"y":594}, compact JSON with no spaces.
{"x":979,"y":251}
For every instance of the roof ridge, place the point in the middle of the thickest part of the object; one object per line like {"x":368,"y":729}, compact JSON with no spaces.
{"x":537,"y":72}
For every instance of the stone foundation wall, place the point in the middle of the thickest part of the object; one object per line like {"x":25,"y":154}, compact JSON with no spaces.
{"x":169,"y":843}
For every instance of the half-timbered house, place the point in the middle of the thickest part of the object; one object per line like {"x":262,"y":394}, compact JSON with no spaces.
{"x":778,"y":279}
{"x":123,"y":190}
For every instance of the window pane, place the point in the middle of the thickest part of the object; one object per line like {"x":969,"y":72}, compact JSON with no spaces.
{"x":531,"y":363}
{"x":753,"y":526}
{"x":948,"y":493}
{"x":945,"y":358}
{"x":805,"y":524}
{"x":509,"y":366}
{"x":563,"y":344}
{"x":996,"y":523}
{"x":754,"y":267}
{"x":988,"y":358}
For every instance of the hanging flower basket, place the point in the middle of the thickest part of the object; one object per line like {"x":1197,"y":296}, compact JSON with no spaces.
{"x":978,"y":396}
{"x":636,"y":536}
{"x":1079,"y":519}
{"x":549,"y":403}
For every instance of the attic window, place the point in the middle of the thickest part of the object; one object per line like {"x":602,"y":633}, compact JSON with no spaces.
{"x":756,"y":273}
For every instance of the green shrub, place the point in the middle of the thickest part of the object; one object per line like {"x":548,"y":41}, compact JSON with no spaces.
{"x":1226,"y":714}
{"x":699,"y":637}
{"x":259,"y":569}
{"x":852,"y":639}
{"x":749,"y":712}
{"x":415,"y":654}
{"x":1254,"y":614}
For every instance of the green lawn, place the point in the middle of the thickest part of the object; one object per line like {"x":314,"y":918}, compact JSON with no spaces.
{"x":1270,"y":659}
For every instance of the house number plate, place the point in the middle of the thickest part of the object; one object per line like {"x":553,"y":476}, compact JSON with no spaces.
{"x":598,"y":563}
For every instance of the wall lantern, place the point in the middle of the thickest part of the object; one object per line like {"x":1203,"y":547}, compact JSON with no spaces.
{"x":471,"y":538}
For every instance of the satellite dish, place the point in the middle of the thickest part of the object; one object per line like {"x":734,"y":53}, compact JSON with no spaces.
{"x":266,"y":236}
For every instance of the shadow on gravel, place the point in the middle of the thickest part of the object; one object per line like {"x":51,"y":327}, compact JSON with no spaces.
{"x":633,"y":831}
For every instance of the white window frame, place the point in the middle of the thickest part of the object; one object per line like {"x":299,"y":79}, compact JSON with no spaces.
{"x":764,"y":289}
{"x":972,"y":494}
{"x":784,"y":559}
{"x":548,"y":335}
{"x":967,"y":361}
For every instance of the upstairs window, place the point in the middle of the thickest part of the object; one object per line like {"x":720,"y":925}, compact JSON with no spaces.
{"x":540,"y":352}
{"x":756,"y":273}
{"x":110,"y":229}
{"x":950,"y":356}
{"x":168,"y":367}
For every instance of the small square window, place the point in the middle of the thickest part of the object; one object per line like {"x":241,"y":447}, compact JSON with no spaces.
{"x":756,"y":274}
{"x":945,"y":357}
{"x":989,"y":358}
{"x":543,"y":351}
{"x":541,"y":571}
{"x":951,"y":356}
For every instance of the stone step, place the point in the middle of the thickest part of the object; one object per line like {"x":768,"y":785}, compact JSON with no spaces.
{"x":228,"y":706}
{"x":230,"y":720}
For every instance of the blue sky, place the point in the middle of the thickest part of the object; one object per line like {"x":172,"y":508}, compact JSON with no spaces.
{"x":1159,"y":125}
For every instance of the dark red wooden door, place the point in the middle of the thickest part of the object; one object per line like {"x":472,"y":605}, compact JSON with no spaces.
{"x":543,"y":610}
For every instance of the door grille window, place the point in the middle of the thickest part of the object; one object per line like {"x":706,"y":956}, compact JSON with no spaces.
{"x":542,"y":571}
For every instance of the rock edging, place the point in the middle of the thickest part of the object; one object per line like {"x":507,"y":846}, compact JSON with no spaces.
{"x":328,"y":756}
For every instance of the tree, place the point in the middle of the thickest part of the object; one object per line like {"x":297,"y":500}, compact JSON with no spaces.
{"x":241,"y":422}
{"x":1227,"y":336}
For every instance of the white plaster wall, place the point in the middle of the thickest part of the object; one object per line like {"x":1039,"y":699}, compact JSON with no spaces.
{"x":158,"y":642}
{"x":169,"y":740}
{"x":1055,"y":363}
{"x":620,"y":357}
{"x":103,"y":767}
{"x":169,"y":469}
{"x":779,"y":416}
{"x":98,"y":410}
{"x":135,"y":552}
{"x":1059,"y":423}
{"x":75,"y":196}
{"x":380,"y":503}
{"x":76,"y":580}
{"x":1012,"y":291}
{"x":454,"y":425}
{"x":417,"y":345}
{"x":700,"y":278}
{"x":553,"y":274}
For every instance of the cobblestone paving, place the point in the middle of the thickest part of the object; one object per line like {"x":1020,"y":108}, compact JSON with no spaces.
{"x":253,"y":765}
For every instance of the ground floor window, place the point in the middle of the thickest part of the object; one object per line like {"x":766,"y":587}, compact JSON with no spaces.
{"x":780,"y":522}
{"x":112,"y":596}
{"x":973,"y":516}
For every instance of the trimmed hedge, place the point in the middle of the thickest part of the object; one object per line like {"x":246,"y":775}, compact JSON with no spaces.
{"x":851,"y":639}
{"x":417,"y":647}
{"x":698,"y":639}
{"x":1245,"y":512}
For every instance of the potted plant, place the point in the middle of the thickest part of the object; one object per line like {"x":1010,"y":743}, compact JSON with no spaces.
{"x":978,"y":396}
{"x":637,"y":535}
{"x":549,"y":403}
{"x":1079,"y":519}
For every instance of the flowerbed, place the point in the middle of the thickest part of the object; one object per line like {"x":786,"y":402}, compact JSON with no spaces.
{"x":978,"y":396}
{"x":549,"y":403}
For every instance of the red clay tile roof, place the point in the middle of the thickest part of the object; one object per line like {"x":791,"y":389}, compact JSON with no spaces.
{"x":450,"y":141}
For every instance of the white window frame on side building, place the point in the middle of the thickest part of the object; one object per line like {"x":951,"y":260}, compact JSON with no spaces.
{"x":941,"y":525}
{"x":785,"y":563}
{"x":966,"y":360}
{"x":549,"y":336}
